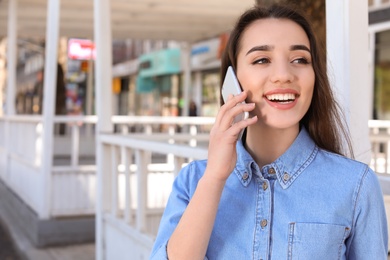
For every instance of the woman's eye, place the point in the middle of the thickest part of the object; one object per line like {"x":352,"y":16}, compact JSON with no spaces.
{"x":300,"y":61}
{"x":261,"y":61}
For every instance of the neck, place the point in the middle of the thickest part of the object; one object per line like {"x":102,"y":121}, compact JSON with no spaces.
{"x":266,"y":144}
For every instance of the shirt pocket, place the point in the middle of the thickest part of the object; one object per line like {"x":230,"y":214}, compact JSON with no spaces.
{"x":316,"y":241}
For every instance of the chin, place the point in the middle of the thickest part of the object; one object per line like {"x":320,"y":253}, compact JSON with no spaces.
{"x":285,"y":125}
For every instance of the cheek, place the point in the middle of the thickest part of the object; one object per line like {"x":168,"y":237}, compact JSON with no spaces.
{"x":245,"y":82}
{"x":254,"y":85}
{"x":309,"y":95}
{"x":309,"y":84}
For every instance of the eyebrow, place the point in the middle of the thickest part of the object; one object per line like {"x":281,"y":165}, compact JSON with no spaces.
{"x":299,"y":47}
{"x":270,"y":48}
{"x":261,"y":48}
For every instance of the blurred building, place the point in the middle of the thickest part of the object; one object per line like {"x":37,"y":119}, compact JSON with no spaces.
{"x":379,"y":20}
{"x":162,"y":94}
{"x":148,"y":77}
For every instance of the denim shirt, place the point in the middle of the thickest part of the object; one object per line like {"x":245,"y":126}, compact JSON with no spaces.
{"x":308,"y":204}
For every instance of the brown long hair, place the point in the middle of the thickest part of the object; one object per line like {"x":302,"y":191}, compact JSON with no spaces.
{"x":324,"y":120}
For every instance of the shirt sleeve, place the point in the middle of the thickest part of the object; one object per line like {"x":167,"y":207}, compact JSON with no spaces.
{"x":369,"y":238}
{"x":182,"y":190}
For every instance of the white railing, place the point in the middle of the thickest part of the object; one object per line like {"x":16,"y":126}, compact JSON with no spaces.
{"x":74,"y":153}
{"x":20,"y":157}
{"x":73,"y":181}
{"x":380,"y":145}
{"x":74,"y":184}
{"x":129,"y":198}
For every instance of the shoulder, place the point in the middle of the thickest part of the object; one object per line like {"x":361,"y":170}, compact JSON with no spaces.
{"x":194,"y":169}
{"x":348,"y":170}
{"x":342,"y":163}
{"x":190,"y":175}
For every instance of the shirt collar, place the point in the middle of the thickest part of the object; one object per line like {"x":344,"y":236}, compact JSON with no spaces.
{"x":286,"y":168}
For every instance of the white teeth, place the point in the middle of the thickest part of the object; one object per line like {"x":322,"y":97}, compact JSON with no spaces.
{"x":281,"y":97}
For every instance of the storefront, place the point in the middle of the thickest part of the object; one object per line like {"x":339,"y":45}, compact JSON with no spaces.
{"x":380,"y":55}
{"x":205,"y":64}
{"x":79,"y":77}
{"x":158,"y":84}
{"x":127,"y":101}
{"x":153,"y":84}
{"x":29,"y":85}
{"x":382,"y":76}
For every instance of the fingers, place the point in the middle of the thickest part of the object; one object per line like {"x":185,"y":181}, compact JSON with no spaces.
{"x":229,"y":104}
{"x":230,"y":114}
{"x":237,"y":127}
{"x":232,"y":108}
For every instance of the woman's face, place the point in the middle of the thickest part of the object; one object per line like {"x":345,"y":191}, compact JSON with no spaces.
{"x":274,"y":65}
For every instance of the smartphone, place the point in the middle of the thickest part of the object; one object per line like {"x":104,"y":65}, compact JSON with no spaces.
{"x":232,"y":86}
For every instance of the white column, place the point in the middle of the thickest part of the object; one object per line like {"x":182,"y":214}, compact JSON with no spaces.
{"x":103,"y":104}
{"x":11,"y":56}
{"x":49,"y":97}
{"x":347,"y":49}
{"x":103,"y":65}
{"x":11,"y":79}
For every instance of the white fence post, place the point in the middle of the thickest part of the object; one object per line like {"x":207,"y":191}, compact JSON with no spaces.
{"x":114,"y":181}
{"x":126,"y":162}
{"x":141,"y":160}
{"x":75,"y":145}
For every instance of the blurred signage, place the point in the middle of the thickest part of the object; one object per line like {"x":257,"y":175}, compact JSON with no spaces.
{"x":125,"y":69}
{"x":159,"y":63}
{"x":80,"y":49}
{"x":207,"y":54}
{"x":116,"y":85}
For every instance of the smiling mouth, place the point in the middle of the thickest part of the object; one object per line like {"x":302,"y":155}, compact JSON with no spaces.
{"x":282,"y":98}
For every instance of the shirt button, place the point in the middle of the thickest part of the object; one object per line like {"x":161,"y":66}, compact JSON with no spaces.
{"x":245,"y":176}
{"x":286,"y":177}
{"x":263,"y":223}
{"x":265,"y":186}
{"x":271,"y":171}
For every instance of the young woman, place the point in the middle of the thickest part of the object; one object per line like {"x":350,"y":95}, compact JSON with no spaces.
{"x":285,"y":190}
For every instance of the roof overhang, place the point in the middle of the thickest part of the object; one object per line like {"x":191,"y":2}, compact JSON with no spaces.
{"x":180,"y":20}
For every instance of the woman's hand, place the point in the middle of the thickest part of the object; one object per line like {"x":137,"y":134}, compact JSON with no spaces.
{"x":222,"y":154}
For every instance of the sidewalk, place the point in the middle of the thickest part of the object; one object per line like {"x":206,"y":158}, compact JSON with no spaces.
{"x":27,"y":251}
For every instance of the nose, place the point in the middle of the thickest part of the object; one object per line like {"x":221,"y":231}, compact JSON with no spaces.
{"x":281,"y":73}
